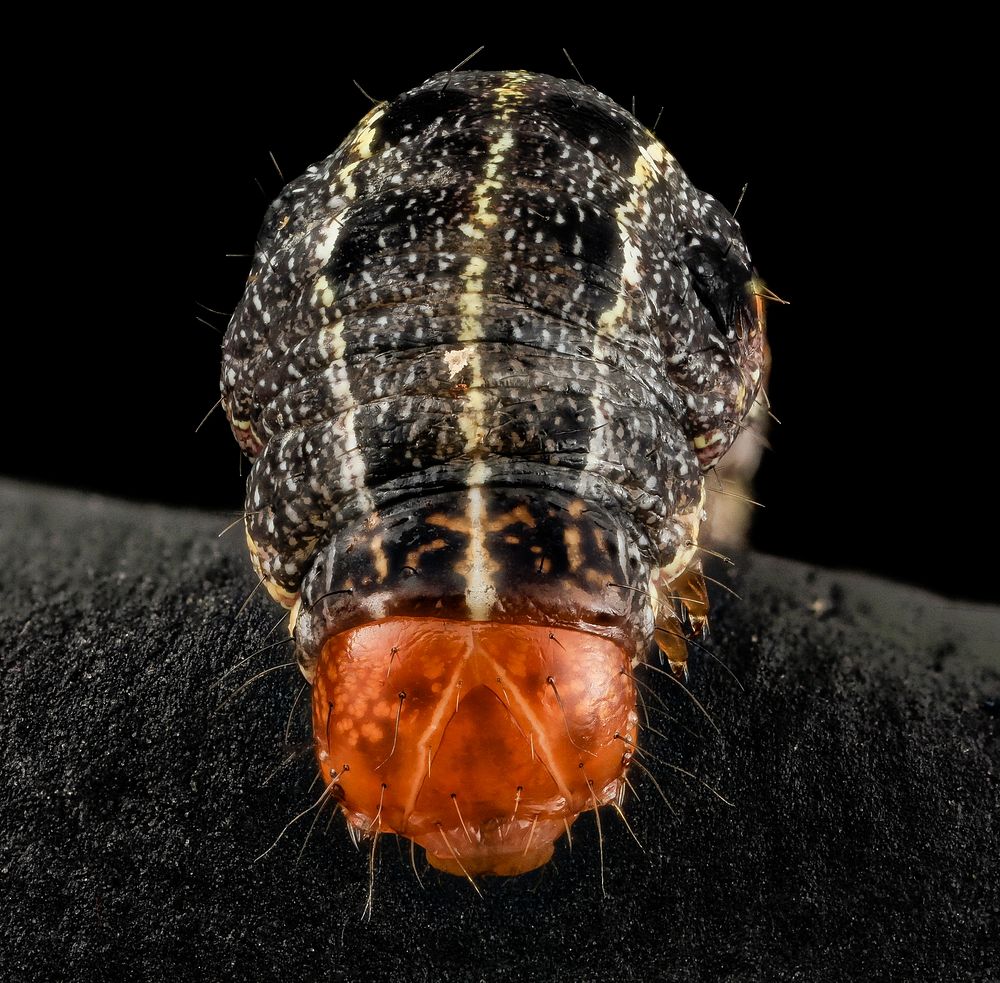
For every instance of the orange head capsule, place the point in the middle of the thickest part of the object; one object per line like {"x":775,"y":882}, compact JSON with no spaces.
{"x":481,"y":741}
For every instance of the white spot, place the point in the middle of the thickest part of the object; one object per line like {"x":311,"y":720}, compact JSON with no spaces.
{"x":456,"y":360}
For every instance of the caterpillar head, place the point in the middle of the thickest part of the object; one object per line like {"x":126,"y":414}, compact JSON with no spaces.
{"x":480,"y":741}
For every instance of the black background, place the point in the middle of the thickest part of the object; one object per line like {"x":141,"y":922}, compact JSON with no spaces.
{"x":861,"y":174}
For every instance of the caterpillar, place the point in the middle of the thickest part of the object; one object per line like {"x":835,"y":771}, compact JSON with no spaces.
{"x":486,"y":354}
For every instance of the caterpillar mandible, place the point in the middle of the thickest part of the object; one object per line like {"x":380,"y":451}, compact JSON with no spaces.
{"x":486,"y":353}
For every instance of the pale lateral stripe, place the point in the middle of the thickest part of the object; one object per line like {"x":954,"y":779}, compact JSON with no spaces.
{"x":360,"y":149}
{"x":352,"y":465}
{"x":353,"y":474}
{"x":647,"y":170}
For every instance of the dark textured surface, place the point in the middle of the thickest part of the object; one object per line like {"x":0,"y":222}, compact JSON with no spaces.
{"x":860,"y":758}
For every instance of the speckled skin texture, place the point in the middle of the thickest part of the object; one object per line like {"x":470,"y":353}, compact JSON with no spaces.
{"x":486,"y":352}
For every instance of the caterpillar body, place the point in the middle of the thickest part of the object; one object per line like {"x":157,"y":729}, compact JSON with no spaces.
{"x":486,"y":353}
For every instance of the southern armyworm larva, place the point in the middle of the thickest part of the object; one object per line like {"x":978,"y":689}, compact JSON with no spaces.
{"x":487,"y":352}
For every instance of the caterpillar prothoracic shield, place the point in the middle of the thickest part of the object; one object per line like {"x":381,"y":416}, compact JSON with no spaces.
{"x":486,"y":353}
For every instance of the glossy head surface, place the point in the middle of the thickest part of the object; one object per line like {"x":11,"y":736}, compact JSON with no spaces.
{"x":480,"y":741}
